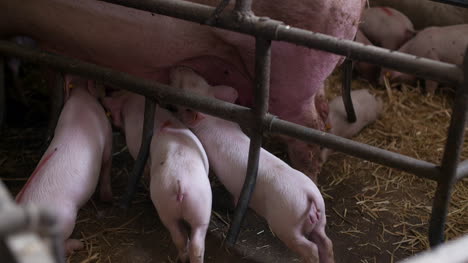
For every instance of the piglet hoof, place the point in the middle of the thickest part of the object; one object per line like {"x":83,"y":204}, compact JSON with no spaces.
{"x":71,"y":245}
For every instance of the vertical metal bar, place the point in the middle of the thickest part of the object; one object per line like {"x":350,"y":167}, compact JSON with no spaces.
{"x":346,"y":90}
{"x":140,"y":162}
{"x":2,"y":92}
{"x":450,"y":159}
{"x":243,"y":6}
{"x":261,"y":94}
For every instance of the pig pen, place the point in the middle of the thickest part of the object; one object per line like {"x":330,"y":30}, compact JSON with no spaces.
{"x":375,"y":213}
{"x":373,"y":210}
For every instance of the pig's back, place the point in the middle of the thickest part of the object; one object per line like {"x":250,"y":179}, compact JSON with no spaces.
{"x":449,"y":43}
{"x":72,"y":171}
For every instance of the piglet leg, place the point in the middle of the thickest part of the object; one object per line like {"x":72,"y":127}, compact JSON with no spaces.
{"x":304,"y":247}
{"x":197,"y":244}
{"x":324,"y":244}
{"x":105,"y":188}
{"x":179,"y":237}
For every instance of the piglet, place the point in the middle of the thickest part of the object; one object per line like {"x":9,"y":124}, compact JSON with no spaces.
{"x":179,"y":185}
{"x":366,"y":70}
{"x":127,"y":112}
{"x":386,"y":27}
{"x":367,"y":108}
{"x":383,"y":27}
{"x":446,"y":44}
{"x":286,"y":198}
{"x":78,"y":156}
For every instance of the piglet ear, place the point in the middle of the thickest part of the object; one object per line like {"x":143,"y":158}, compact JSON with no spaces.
{"x":225,"y":93}
{"x":191,"y":118}
{"x":114,"y":106}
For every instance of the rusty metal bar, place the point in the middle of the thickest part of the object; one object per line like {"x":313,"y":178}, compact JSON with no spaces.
{"x":453,"y":148}
{"x":346,"y":90}
{"x":139,"y":167}
{"x":260,"y":109}
{"x":462,"y":170}
{"x":275,"y":30}
{"x":2,"y":92}
{"x":221,"y":109}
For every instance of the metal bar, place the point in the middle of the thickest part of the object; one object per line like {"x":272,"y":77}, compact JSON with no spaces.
{"x":356,"y":149}
{"x":126,"y":81}
{"x":218,"y":10}
{"x":243,"y":6}
{"x":14,"y":219}
{"x":462,"y":170}
{"x":5,"y":199}
{"x":461,"y":3}
{"x":224,"y":110}
{"x":453,"y":148}
{"x":138,"y":168}
{"x":275,"y":30}
{"x":261,"y":96}
{"x":346,"y":90}
{"x":2,"y":92}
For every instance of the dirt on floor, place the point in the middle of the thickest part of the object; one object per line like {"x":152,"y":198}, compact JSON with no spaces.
{"x":374,"y":213}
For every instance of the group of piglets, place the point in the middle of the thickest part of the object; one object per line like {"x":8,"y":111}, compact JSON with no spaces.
{"x":388,"y":28}
{"x":185,"y":142}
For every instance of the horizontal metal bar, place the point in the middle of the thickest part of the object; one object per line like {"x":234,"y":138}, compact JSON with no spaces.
{"x":275,"y":30}
{"x":126,"y":81}
{"x":356,"y":149}
{"x":16,"y":219}
{"x":462,"y":170}
{"x":243,"y":6}
{"x":221,"y":109}
{"x":462,"y":3}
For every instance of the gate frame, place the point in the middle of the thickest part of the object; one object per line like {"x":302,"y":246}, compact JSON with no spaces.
{"x":241,"y":19}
